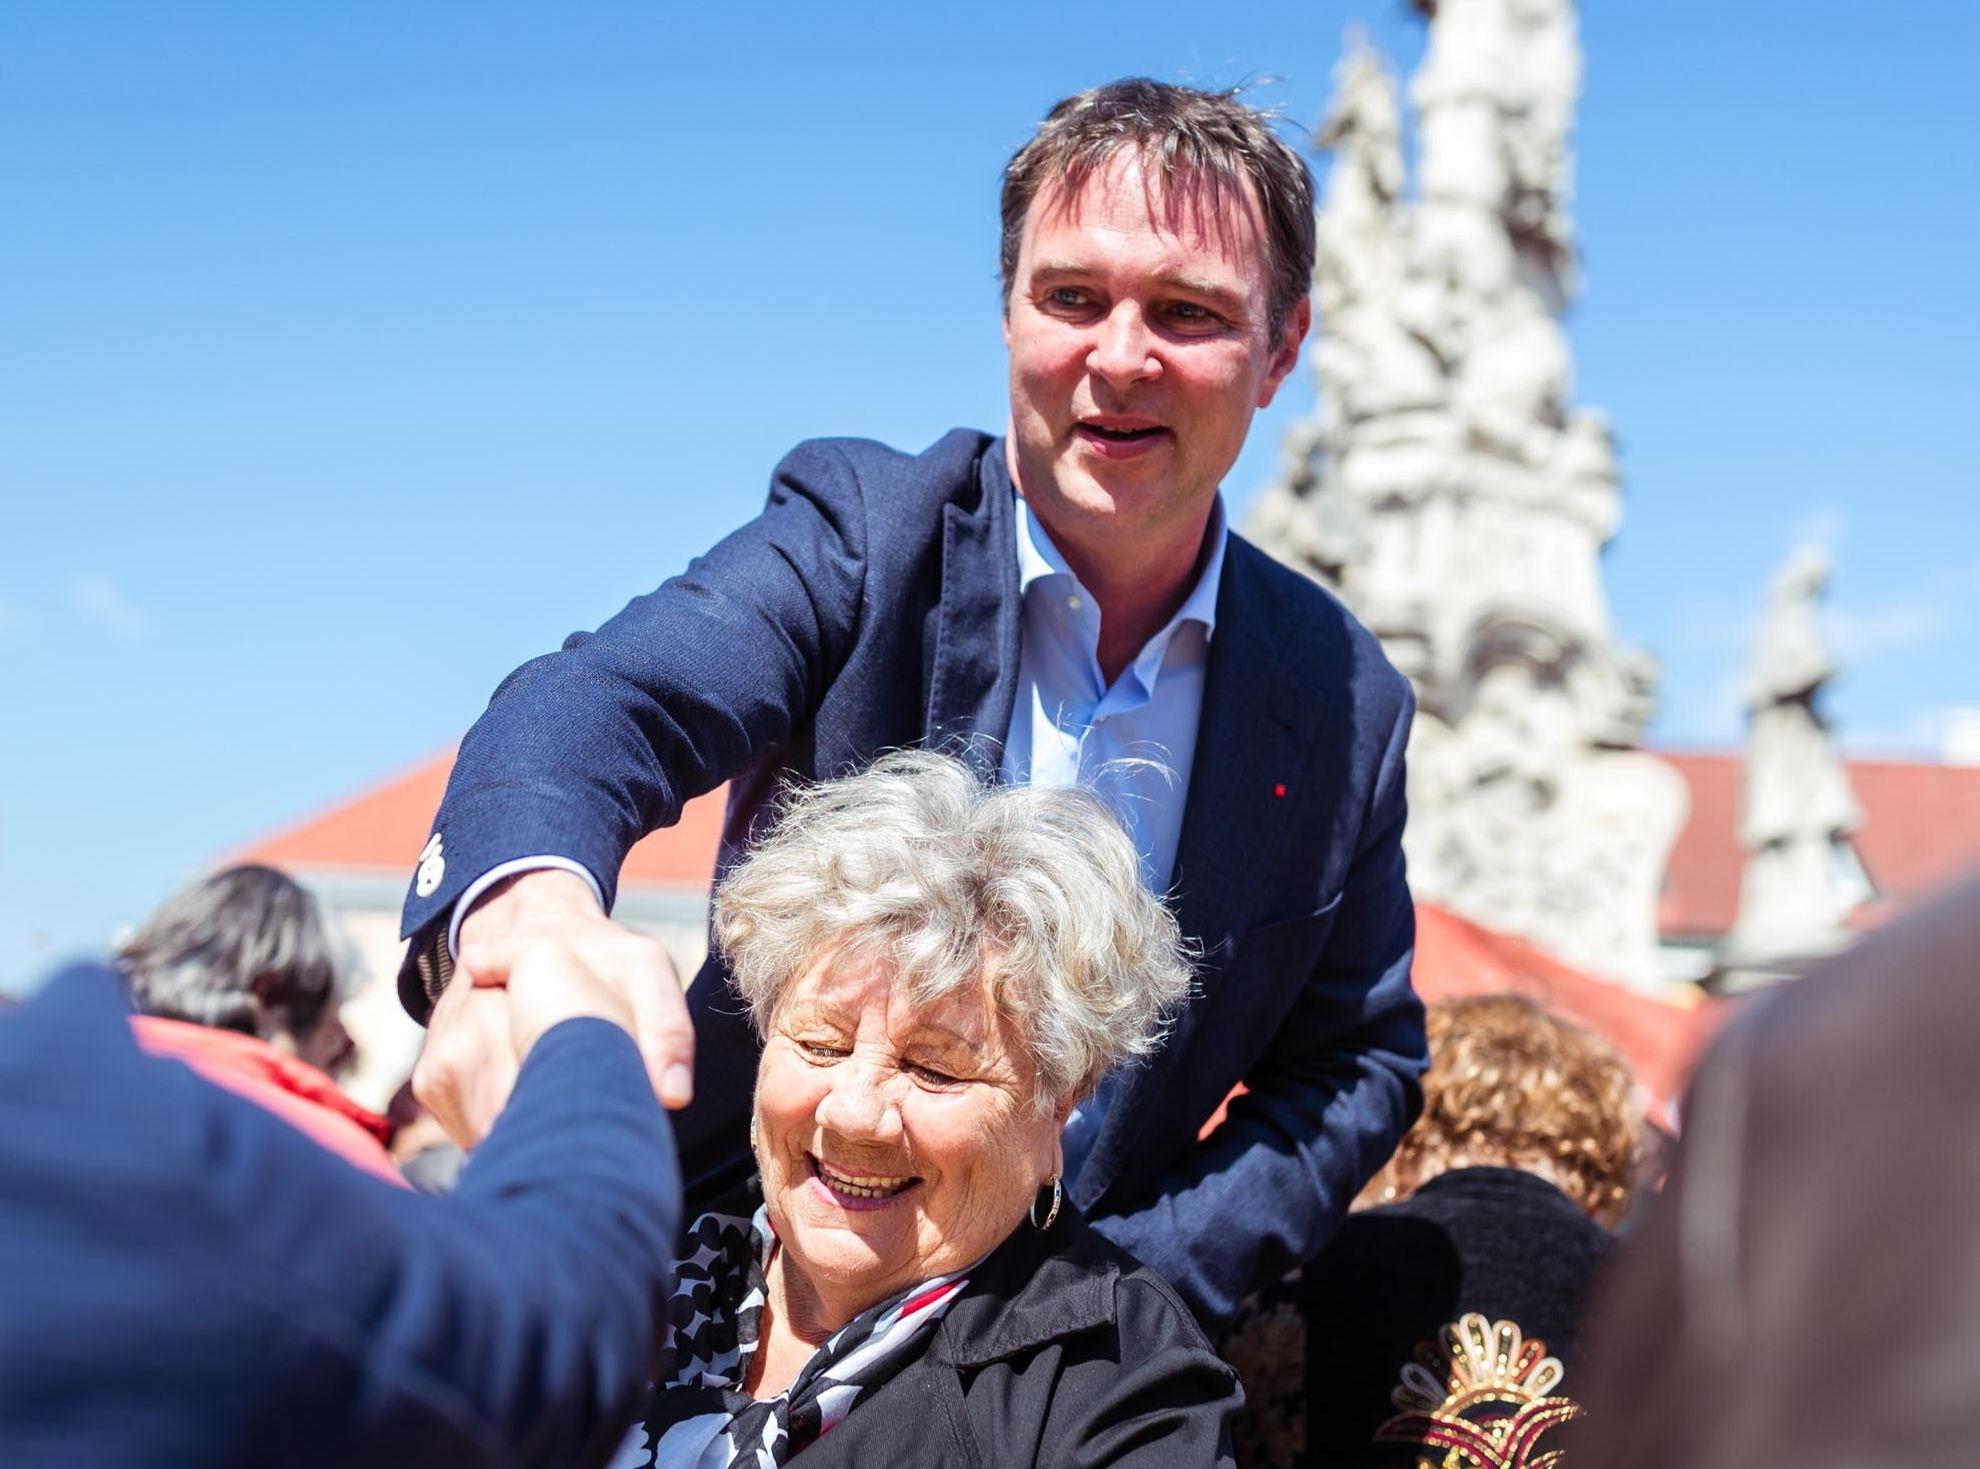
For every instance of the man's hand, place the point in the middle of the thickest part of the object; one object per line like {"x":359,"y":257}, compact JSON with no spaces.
{"x":543,"y":934}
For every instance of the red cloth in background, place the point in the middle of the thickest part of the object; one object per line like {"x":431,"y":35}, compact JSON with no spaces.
{"x":1662,"y":1038}
{"x":276,"y":1082}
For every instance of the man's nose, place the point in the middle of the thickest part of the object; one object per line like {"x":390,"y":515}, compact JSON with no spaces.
{"x":860,"y":1105}
{"x":1123,"y":348}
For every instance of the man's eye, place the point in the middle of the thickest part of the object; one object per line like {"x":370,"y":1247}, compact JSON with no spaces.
{"x":823,"y":1050}
{"x":1065,"y":297}
{"x":934,"y":1077}
{"x":1190,"y":312}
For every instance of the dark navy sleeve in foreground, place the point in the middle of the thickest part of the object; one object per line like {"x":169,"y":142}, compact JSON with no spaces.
{"x":556,"y":1250}
{"x":189,"y":1281}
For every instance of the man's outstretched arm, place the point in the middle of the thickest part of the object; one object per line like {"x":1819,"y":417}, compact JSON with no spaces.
{"x":582,"y":752}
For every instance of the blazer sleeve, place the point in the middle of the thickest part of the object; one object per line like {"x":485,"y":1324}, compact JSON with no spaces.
{"x":1161,"y":1400}
{"x":530,"y":1297}
{"x":1326,"y":1104}
{"x":221,"y":1288}
{"x":509,"y":1323}
{"x":583,"y":751}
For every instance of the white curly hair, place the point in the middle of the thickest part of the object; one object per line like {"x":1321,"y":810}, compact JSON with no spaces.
{"x":916,"y":865}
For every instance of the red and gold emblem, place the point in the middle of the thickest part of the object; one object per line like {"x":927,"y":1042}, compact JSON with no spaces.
{"x":1481,"y":1396}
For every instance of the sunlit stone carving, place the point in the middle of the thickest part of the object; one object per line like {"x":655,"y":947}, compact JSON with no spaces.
{"x":1796,"y":810}
{"x":1453,"y":494}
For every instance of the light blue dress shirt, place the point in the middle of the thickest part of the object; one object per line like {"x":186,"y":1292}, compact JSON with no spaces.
{"x":1133,"y":742}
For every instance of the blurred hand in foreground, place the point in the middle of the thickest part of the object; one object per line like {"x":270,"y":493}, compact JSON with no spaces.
{"x":537,"y":950}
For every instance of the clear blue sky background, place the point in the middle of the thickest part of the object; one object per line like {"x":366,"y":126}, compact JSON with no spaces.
{"x":351,"y":353}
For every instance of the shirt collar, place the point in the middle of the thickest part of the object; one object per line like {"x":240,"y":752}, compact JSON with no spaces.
{"x":1038,"y":558}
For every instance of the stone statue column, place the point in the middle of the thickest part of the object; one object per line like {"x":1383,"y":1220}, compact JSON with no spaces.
{"x":1457,"y":498}
{"x":1797,"y":810}
{"x":1366,"y":363}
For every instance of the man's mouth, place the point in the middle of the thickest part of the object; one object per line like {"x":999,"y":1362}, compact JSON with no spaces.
{"x":860,"y":1187}
{"x":1119,"y":437}
{"x":1121,"y":430}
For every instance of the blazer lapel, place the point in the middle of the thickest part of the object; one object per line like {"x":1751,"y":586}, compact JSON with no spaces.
{"x":973,"y":682}
{"x":1251,"y":749}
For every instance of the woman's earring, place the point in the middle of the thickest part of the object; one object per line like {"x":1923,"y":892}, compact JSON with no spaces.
{"x":1050,"y":1214}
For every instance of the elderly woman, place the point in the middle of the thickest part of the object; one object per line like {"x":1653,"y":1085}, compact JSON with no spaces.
{"x":940,"y":973}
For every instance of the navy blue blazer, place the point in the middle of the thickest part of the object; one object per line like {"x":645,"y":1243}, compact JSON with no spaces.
{"x":186,"y":1280}
{"x":874,"y":604}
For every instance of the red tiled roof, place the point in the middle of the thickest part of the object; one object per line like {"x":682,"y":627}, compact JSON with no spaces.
{"x":1921,"y":829}
{"x":1701,"y":882}
{"x":383,"y":829}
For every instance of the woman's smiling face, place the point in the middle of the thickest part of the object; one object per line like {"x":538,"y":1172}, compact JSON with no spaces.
{"x":896,"y":1142}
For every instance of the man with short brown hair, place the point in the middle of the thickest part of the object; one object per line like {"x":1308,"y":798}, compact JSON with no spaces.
{"x":1056,"y":602}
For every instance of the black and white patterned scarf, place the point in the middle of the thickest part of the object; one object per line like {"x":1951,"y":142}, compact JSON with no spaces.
{"x":700,"y":1417}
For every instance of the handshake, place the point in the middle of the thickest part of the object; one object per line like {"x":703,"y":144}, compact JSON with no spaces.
{"x":537,"y":950}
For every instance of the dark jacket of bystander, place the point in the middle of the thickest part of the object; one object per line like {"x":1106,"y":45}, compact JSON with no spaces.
{"x":1497,"y":1243}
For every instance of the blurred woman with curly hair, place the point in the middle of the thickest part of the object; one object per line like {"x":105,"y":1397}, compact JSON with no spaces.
{"x":1448,"y":1314}
{"x":1512,"y":1085}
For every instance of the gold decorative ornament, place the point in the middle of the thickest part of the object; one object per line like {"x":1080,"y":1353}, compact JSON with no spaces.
{"x":1480,"y":1397}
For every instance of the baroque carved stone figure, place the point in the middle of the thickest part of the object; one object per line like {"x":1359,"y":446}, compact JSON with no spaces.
{"x":1452,"y":492}
{"x":1797,"y":810}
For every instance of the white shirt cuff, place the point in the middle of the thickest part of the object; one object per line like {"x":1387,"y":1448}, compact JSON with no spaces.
{"x":495,"y":874}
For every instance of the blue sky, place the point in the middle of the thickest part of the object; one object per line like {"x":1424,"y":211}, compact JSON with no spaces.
{"x":351,"y":354}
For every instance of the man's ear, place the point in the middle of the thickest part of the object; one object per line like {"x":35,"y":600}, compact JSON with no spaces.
{"x":1299,"y":321}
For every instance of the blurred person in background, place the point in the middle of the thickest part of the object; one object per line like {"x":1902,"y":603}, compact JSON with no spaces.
{"x":1806,"y":1289}
{"x":241,"y":975}
{"x":187,"y":1282}
{"x":1451,"y":1306}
